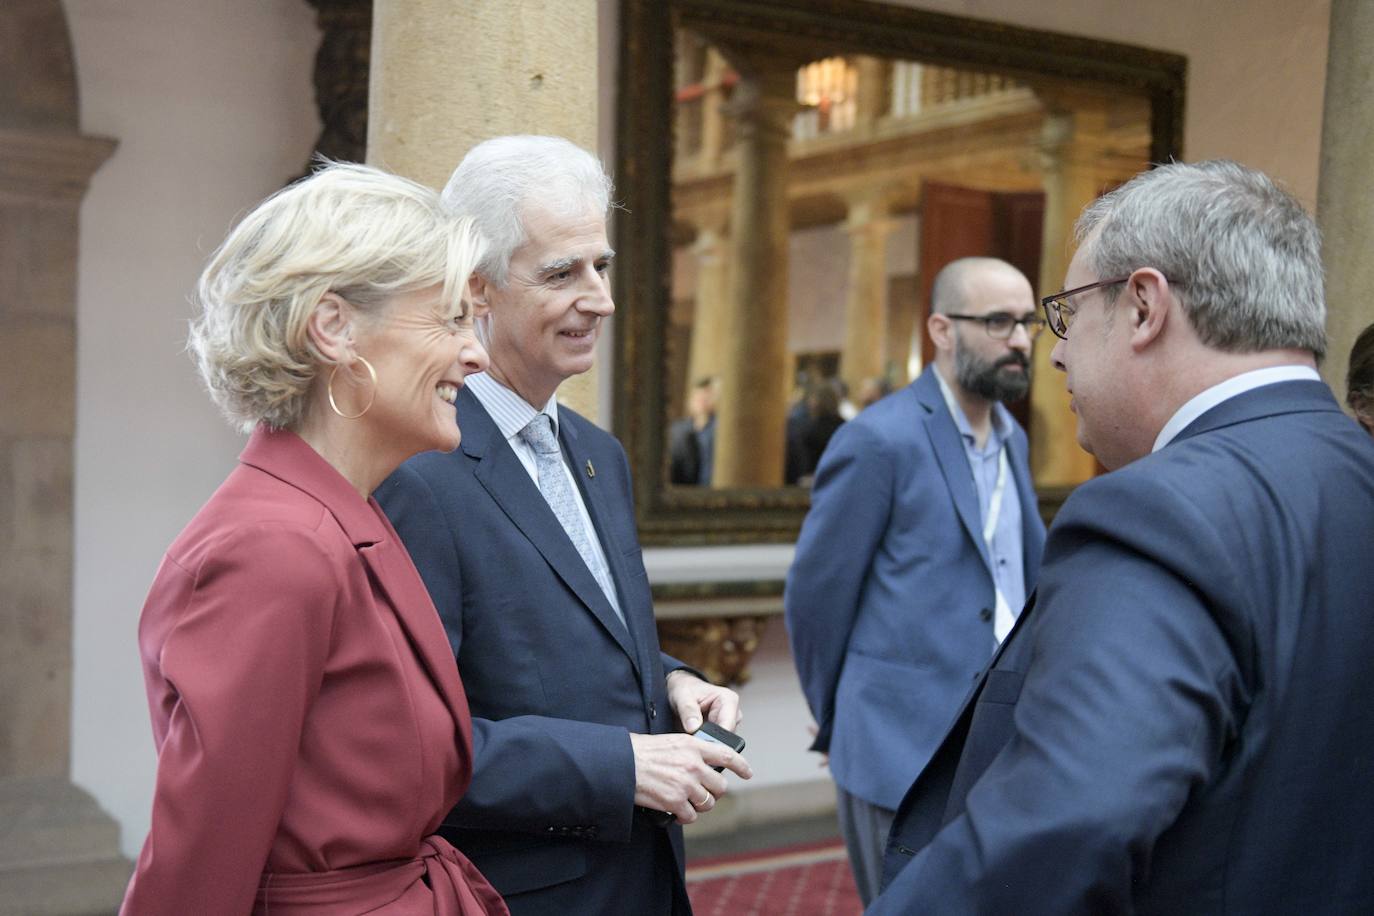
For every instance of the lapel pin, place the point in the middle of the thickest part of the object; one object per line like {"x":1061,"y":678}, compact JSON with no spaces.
{"x":591,"y":471}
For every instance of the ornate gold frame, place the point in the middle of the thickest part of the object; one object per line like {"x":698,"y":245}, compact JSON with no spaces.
{"x":669,"y":515}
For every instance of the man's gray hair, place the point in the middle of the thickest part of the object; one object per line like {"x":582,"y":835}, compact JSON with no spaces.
{"x":501,"y":178}
{"x":1240,"y":253}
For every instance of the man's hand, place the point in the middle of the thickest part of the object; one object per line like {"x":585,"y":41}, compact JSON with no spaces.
{"x":692,"y":699}
{"x":674,"y":773}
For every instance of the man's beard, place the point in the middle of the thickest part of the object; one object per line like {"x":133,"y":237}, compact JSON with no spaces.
{"x":990,"y":381}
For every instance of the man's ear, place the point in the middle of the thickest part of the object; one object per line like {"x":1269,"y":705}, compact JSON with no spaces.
{"x":1147,"y":301}
{"x":941,"y":331}
{"x":330,"y":328}
{"x":478,"y":287}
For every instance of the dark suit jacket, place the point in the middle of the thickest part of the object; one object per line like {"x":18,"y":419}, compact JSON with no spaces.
{"x":684,"y":455}
{"x":555,"y":682}
{"x":307,"y":714}
{"x":1181,"y":722}
{"x":892,"y":585}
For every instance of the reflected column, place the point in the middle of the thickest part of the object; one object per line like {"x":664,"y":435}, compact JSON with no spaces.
{"x":865,"y":324}
{"x":753,"y":376}
{"x":712,"y":251}
{"x":1072,"y":143}
{"x":1346,"y":184}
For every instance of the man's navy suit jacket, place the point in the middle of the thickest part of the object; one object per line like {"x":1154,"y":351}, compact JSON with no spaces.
{"x":890,"y":600}
{"x":1181,"y":721}
{"x":554,"y":681}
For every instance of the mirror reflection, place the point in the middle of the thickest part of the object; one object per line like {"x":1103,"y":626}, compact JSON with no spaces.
{"x":813,"y":200}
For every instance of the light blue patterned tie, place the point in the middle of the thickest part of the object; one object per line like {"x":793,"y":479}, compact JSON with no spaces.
{"x":557,"y":490}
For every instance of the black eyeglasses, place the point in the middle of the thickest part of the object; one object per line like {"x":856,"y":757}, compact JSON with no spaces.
{"x":1059,"y":314}
{"x":1001,"y":326}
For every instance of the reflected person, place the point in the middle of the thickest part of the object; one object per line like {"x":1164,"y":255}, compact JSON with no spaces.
{"x":692,"y":439}
{"x":1359,"y":379}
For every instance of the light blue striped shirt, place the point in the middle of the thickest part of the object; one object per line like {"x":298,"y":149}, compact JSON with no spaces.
{"x":512,"y":413}
{"x":1006,"y":550}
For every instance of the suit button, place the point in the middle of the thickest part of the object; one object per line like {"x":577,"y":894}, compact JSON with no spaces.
{"x":985,"y":614}
{"x":653,"y":710}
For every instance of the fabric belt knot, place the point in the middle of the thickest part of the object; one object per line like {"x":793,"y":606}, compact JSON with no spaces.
{"x":554,"y":484}
{"x":438,"y":878}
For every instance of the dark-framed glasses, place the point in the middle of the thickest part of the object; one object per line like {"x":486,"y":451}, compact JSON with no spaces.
{"x":1000,"y":325}
{"x":1060,"y":314}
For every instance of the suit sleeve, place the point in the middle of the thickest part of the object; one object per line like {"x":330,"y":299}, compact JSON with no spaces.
{"x":1132,"y":695}
{"x":529,"y":772}
{"x":246,"y":639}
{"x":850,"y":505}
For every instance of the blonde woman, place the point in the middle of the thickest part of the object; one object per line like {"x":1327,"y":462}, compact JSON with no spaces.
{"x":311,"y":727}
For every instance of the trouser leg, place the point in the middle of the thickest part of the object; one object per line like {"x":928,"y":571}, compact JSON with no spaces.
{"x":864,"y":827}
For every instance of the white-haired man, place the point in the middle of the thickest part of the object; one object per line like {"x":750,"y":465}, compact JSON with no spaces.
{"x":525,"y":537}
{"x":1178,"y":723}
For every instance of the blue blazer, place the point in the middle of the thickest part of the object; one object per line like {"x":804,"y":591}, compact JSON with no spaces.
{"x":1181,"y":722}
{"x":889,"y":602}
{"x":555,"y":682}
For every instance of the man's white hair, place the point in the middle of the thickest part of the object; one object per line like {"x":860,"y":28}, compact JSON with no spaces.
{"x":500,"y":179}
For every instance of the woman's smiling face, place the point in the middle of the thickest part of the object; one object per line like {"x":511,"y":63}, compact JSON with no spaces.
{"x":422,"y":353}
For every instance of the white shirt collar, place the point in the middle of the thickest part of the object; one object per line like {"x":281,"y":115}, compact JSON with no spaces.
{"x":1235,"y":385}
{"x":510,"y":412}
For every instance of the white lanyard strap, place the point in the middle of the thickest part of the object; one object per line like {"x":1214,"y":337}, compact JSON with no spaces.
{"x":995,"y":500}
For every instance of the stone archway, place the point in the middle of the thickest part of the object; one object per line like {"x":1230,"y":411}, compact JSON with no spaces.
{"x":58,"y":850}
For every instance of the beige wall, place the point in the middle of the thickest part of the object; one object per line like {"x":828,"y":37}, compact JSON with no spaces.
{"x":212,"y":104}
{"x":1256,"y":68}
{"x":213,"y":108}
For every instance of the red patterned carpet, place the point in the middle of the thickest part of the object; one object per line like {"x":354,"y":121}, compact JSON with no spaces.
{"x":812,"y":879}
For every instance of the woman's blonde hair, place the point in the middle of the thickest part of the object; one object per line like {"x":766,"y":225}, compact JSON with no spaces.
{"x":349,"y":229}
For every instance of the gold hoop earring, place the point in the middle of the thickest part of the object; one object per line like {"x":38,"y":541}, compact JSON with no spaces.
{"x":329,"y":389}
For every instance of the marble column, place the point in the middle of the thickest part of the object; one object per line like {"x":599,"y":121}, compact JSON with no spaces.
{"x":59,"y":852}
{"x":864,"y":354}
{"x":753,"y":392}
{"x":1072,"y":143}
{"x":1346,"y":185}
{"x":712,"y":251}
{"x":446,"y":75}
{"x":873,"y":91}
{"x":712,"y":118}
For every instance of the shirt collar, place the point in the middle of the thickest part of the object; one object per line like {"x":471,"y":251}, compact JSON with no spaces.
{"x":510,"y":412}
{"x":1000,"y":418}
{"x":1200,"y":403}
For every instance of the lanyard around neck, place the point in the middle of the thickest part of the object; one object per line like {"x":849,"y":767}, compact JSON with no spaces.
{"x":995,"y":501}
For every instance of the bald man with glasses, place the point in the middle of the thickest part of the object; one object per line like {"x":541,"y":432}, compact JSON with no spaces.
{"x":922,"y":543}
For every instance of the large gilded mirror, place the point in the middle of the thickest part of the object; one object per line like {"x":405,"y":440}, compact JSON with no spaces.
{"x":793,"y":176}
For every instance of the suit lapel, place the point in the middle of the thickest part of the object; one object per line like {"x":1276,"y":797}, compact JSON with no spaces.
{"x":1032,"y":535}
{"x":505,"y":479}
{"x":579,"y":459}
{"x":286,"y":456}
{"x":953,"y":461}
{"x":395,"y":574}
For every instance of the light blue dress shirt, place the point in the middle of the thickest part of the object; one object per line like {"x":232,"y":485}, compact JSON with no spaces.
{"x":1006,"y":550}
